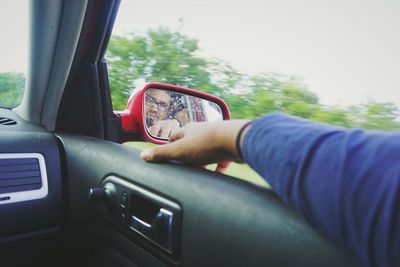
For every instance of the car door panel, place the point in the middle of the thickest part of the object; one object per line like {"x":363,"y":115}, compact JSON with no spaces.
{"x":102,"y":245}
{"x":225,"y":221}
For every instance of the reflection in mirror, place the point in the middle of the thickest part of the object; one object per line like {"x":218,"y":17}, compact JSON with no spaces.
{"x":166,"y":111}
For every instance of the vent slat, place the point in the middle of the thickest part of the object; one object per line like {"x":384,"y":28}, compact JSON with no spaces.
{"x":15,"y":168}
{"x":24,"y":174}
{"x":18,"y":182}
{"x":18,"y":162}
{"x":6,"y":121}
{"x":12,"y":189}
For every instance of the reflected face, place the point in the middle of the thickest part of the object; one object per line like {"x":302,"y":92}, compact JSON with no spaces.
{"x":157,"y":103}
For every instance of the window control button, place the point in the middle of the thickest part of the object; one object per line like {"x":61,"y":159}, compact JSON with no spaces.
{"x":124,"y":198}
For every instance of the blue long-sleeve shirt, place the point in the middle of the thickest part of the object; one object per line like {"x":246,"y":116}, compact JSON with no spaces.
{"x":344,"y":182}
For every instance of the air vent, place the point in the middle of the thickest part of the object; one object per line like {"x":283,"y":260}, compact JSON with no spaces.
{"x":18,"y":175}
{"x":5,"y":121}
{"x":23,"y":177}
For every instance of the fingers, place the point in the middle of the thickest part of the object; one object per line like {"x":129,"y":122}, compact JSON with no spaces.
{"x":169,"y":128}
{"x":165,"y":131}
{"x":164,"y":128}
{"x":155,"y":130}
{"x":222,"y":166}
{"x":159,"y":154}
{"x":176,"y":135}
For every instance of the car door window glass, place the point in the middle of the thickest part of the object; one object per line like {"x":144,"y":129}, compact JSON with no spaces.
{"x":336,"y":63}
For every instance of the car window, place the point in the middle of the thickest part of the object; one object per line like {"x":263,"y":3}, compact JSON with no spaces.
{"x":13,"y":51}
{"x":335,"y":63}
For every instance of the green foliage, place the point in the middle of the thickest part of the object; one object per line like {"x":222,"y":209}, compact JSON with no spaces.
{"x":12,"y":86}
{"x":170,"y":57}
{"x":334,"y":116}
{"x":381,"y":116}
{"x":159,"y":56}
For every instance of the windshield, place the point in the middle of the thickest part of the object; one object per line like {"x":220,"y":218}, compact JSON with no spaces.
{"x":13,"y":51}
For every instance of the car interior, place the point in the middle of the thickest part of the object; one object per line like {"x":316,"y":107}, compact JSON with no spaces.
{"x":71,"y":194}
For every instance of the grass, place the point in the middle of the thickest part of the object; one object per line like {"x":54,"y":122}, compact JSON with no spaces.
{"x":236,"y":170}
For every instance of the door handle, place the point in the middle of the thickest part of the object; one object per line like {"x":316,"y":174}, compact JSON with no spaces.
{"x":159,"y":230}
{"x":142,"y":212}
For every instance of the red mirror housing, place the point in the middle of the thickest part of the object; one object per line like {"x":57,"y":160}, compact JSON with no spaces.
{"x":133,"y":120}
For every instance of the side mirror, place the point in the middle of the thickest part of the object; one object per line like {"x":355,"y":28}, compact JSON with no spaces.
{"x":155,"y":110}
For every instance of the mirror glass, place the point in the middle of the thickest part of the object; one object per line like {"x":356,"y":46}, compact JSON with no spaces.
{"x":166,"y":111}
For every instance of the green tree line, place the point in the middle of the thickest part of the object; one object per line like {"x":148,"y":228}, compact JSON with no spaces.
{"x":169,"y":57}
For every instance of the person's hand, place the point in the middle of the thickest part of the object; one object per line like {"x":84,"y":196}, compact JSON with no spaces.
{"x":183,"y":116}
{"x":200,"y":144}
{"x":163,"y":128}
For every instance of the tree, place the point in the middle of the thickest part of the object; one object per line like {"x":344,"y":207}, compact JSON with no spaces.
{"x":382,"y":116}
{"x":333,"y":115}
{"x":12,"y":86}
{"x":158,"y":56}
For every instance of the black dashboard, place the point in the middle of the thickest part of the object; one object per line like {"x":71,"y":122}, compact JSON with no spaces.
{"x":30,"y":192}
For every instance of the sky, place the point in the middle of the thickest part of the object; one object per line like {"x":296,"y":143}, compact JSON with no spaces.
{"x":14,"y":35}
{"x":347,"y":51}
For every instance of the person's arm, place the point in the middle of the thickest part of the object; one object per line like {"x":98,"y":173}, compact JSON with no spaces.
{"x":200,"y":144}
{"x":344,"y":182}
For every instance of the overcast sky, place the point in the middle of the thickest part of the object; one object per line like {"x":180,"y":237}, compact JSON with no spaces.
{"x":14,"y":35}
{"x":345,"y":50}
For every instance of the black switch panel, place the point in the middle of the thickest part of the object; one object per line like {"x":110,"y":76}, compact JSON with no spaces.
{"x":124,"y":198}
{"x":146,"y":215}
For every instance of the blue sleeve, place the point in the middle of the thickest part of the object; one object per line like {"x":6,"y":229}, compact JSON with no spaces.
{"x":344,"y":182}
